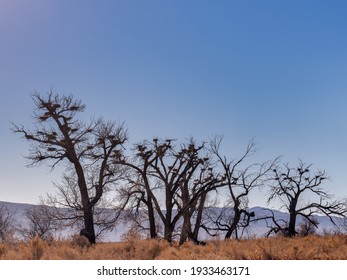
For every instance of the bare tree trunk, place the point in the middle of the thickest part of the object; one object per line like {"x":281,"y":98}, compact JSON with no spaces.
{"x":88,"y":230}
{"x":186,"y":228}
{"x":151,"y":218}
{"x":292,"y":217}
{"x":198,"y":221}
{"x":292,"y":223}
{"x":88,"y":215}
{"x":235,"y":222}
{"x":168,"y":232}
{"x":168,"y":228}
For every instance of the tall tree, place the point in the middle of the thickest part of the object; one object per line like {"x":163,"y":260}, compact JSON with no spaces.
{"x":86,"y":148}
{"x":300,"y":192}
{"x":240,"y":180}
{"x":194,"y":189}
{"x":168,"y":182}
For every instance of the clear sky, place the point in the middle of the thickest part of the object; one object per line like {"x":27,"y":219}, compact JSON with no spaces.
{"x":275,"y":71}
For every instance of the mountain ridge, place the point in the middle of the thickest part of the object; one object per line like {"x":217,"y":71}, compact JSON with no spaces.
{"x":255,"y":229}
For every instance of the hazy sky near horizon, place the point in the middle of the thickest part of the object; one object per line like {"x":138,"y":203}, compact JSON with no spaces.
{"x":274,"y":71}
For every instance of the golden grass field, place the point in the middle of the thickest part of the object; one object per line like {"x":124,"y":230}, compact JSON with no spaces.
{"x":278,"y":248}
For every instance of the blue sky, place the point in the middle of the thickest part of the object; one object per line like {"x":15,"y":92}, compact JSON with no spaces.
{"x":274,"y":71}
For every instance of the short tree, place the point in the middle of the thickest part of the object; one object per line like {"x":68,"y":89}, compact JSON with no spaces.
{"x":86,"y":148}
{"x":7,"y":224}
{"x":41,"y":222}
{"x":292,"y":185}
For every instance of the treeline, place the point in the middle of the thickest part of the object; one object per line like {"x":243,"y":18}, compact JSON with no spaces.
{"x":166,"y":188}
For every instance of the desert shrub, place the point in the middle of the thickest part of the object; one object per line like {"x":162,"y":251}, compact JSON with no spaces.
{"x":79,"y":241}
{"x":7,"y":224}
{"x":276,"y":248}
{"x":36,"y":248}
{"x":307,"y":228}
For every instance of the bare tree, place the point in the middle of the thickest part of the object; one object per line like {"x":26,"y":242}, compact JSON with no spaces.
{"x":239,"y":181}
{"x":292,"y":185}
{"x":7,"y":223}
{"x":41,"y":222}
{"x":65,"y":208}
{"x":307,"y":228}
{"x":167,"y":181}
{"x":86,"y":148}
{"x":138,"y":193}
{"x":276,"y":225}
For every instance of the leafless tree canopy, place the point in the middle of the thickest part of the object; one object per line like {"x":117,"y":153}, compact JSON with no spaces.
{"x":7,"y":223}
{"x":239,"y":179}
{"x":41,"y":223}
{"x":85,"y":148}
{"x":171,"y":186}
{"x":181,"y":174}
{"x":290,"y":185}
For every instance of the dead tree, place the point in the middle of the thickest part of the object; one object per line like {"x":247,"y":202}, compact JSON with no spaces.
{"x":291,"y":185}
{"x":138,"y":194}
{"x":239,"y":180}
{"x":7,"y":223}
{"x":192,"y":197}
{"x":166,"y":182}
{"x":41,"y":222}
{"x":86,"y":149}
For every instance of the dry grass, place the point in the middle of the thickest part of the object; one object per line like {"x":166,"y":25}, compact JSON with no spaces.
{"x":280,"y":248}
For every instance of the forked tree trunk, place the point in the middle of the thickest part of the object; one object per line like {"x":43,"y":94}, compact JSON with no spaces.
{"x":186,"y":228}
{"x":198,"y":220}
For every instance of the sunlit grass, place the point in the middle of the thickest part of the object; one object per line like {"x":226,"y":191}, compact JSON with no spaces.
{"x":279,"y":248}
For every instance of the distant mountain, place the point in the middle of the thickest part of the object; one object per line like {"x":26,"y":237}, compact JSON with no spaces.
{"x":256,"y":229}
{"x":261,"y":227}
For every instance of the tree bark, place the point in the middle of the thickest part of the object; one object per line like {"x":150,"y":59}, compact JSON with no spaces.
{"x":291,"y":226}
{"x":186,"y":228}
{"x":88,"y":230}
{"x":151,"y":218}
{"x":233,"y":226}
